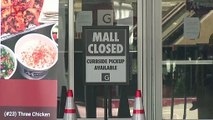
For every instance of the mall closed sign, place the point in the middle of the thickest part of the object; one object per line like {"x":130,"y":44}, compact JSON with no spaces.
{"x":106,"y":54}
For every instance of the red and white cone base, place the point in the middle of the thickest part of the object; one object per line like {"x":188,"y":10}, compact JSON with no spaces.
{"x":70,"y":112}
{"x":138,"y":111}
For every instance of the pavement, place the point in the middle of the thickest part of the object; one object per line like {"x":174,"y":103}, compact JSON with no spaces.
{"x":179,"y":112}
{"x":178,"y":109}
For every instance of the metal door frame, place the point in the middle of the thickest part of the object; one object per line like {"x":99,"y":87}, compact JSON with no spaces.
{"x":153,"y":61}
{"x":149,"y":55}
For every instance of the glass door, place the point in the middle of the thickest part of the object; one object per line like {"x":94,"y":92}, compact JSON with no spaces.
{"x":187,"y":59}
{"x":89,"y":99}
{"x":144,"y":21}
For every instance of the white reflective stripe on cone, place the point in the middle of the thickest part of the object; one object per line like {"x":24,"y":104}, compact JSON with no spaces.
{"x":70,"y":103}
{"x":138,"y":104}
{"x":70,"y":112}
{"x":138,"y":117}
{"x":68,"y":116}
{"x":138,"y":110}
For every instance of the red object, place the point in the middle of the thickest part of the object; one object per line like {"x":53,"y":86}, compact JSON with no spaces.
{"x":23,"y":93}
{"x":69,"y":111}
{"x":69,"y":93}
{"x":28,"y":99}
{"x":138,"y":111}
{"x":16,"y":16}
{"x":55,"y":36}
{"x":138,"y":93}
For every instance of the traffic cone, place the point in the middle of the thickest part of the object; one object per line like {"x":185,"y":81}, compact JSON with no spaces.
{"x":138,"y":110}
{"x":70,"y":112}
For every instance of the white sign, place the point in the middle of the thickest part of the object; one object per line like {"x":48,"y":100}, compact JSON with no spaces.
{"x":84,"y":18}
{"x":106,"y":54}
{"x":191,"y":27}
{"x":105,"y":17}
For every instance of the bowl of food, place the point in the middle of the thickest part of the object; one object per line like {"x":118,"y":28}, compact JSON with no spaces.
{"x":36,"y":54}
{"x":8,"y":62}
{"x":54,"y":33}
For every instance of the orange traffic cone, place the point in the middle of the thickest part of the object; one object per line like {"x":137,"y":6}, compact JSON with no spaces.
{"x":70,"y":112}
{"x":138,"y":110}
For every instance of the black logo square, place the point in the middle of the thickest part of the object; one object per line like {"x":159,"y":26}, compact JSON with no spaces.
{"x":105,"y":76}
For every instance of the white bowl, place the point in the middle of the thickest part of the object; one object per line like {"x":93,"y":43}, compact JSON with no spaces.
{"x":12,"y":55}
{"x":41,"y":54}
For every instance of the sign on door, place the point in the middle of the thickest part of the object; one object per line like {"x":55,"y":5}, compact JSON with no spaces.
{"x":106,"y":54}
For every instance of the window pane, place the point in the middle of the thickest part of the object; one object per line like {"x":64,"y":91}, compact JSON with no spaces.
{"x":90,"y":99}
{"x":187,"y":62}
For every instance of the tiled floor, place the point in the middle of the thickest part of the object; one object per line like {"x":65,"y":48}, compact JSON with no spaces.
{"x":178,"y":109}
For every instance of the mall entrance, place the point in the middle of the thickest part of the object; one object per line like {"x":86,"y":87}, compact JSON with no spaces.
{"x":143,"y":68}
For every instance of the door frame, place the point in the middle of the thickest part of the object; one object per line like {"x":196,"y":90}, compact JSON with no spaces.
{"x":152,"y":61}
{"x":150,"y":55}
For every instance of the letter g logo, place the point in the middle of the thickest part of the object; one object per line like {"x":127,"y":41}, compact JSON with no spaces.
{"x":107,"y":18}
{"x":105,"y":76}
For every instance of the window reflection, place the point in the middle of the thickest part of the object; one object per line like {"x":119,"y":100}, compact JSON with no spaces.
{"x":89,"y":99}
{"x":187,"y":64}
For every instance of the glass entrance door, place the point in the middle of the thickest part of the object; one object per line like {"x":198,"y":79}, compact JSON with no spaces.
{"x":89,"y":99}
{"x":143,"y":19}
{"x":187,"y":60}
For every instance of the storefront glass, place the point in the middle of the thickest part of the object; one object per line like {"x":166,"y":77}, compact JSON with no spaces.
{"x":35,"y":47}
{"x":89,"y":99}
{"x":187,"y":59}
